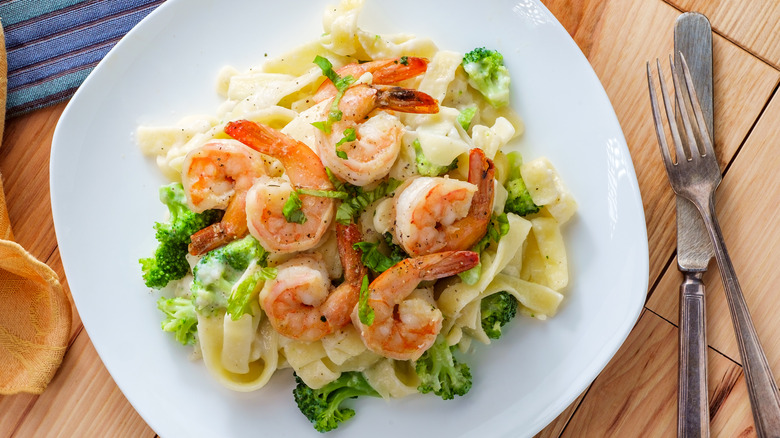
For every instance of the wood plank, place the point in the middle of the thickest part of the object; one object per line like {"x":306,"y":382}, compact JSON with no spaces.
{"x":735,"y":419}
{"x":636,"y":394}
{"x":24,"y":164}
{"x":83,"y":400}
{"x":746,"y":205}
{"x":742,"y":86}
{"x":752,"y":24}
{"x":14,"y":409}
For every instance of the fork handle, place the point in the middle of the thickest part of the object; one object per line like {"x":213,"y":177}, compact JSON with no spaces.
{"x":692,"y":406}
{"x":761,"y":385}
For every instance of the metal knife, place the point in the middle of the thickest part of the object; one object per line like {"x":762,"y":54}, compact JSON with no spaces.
{"x":693,"y":37}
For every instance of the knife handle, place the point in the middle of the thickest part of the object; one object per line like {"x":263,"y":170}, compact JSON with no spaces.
{"x":693,"y":407}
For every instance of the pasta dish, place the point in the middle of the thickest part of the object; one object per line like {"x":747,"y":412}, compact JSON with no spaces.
{"x":354,"y":211}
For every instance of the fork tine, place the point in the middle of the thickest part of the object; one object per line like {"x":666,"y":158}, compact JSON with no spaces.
{"x":659,"y":127}
{"x":681,"y":155}
{"x":693,"y":149}
{"x":697,"y":111}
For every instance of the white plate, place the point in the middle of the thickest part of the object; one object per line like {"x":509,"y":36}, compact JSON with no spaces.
{"x":104,"y":202}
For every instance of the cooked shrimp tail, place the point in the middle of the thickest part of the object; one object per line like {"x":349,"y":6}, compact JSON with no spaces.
{"x":468,"y":231}
{"x":403,"y":327}
{"x":232,"y":226}
{"x":338,"y":308}
{"x":406,"y":100}
{"x":218,"y":175}
{"x":347,"y":237}
{"x":429,"y":267}
{"x":384,"y":71}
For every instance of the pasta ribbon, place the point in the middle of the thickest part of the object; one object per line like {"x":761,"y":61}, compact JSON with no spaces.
{"x":546,"y":188}
{"x":457,"y":296}
{"x":213,"y":343}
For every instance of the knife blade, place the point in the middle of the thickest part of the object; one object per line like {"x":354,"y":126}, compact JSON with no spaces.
{"x":693,"y":38}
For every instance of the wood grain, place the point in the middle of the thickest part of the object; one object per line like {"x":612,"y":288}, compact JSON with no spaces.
{"x":742,"y":85}
{"x":63,"y":410}
{"x":734,"y":419}
{"x":636,"y":394}
{"x":24,"y":164}
{"x":752,"y":24}
{"x":746,"y":204}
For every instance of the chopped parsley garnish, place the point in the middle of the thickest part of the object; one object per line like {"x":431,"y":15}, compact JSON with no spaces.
{"x":358,"y":199}
{"x":341,"y":84}
{"x":292,"y":209}
{"x":365,"y":312}
{"x":323,"y":193}
{"x":377,"y":261}
{"x":349,"y":135}
{"x":243,"y":295}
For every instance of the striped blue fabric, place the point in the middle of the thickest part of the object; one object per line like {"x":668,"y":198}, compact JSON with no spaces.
{"x":52,"y":45}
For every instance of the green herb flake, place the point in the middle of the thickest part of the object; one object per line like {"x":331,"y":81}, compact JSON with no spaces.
{"x":327,"y":68}
{"x":376,"y":260}
{"x":322,"y":126}
{"x":292,"y":209}
{"x":349,"y":136}
{"x":359,"y":199}
{"x":365,"y":312}
{"x":323,"y":193}
{"x":341,"y":84}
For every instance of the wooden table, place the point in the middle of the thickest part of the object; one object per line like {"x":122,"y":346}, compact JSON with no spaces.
{"x":635,"y":395}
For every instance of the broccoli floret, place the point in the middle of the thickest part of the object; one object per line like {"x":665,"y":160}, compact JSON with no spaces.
{"x":497,"y":310}
{"x":169,"y":261}
{"x":226,"y":277}
{"x":488,"y":75}
{"x":425,"y":167}
{"x":180,"y":318}
{"x":323,"y":406}
{"x":518,"y":200}
{"x":441,"y":373}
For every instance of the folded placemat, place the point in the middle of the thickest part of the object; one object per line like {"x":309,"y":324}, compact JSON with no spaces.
{"x":52,"y":45}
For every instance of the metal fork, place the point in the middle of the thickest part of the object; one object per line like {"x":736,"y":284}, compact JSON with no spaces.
{"x":695,"y":175}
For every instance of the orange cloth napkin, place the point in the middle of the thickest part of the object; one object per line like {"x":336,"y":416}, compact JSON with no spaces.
{"x":35,"y":314}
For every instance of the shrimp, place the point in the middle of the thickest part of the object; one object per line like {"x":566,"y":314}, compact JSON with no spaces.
{"x":404,"y":328}
{"x":300,"y":302}
{"x":384,"y":72}
{"x":267,"y":197}
{"x":442,"y":214}
{"x":377,"y":141}
{"x":218,"y":175}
